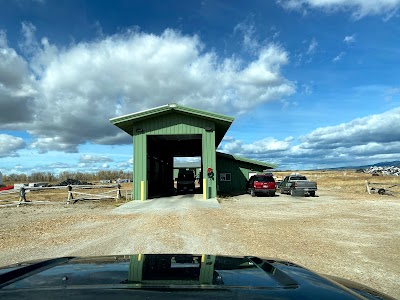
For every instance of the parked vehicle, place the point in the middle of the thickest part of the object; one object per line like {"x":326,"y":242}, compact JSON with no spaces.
{"x":185,"y":181}
{"x":261,"y":184}
{"x":296,"y":184}
{"x":174,"y":276}
{"x":278,"y":181}
{"x":5,"y":188}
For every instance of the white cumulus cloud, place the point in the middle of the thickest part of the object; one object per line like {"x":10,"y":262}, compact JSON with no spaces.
{"x":349,"y":39}
{"x":248,"y":31}
{"x":338,"y":57}
{"x":366,"y":140}
{"x":65,"y":97}
{"x":264,"y":146}
{"x":358,"y":8}
{"x":90,"y":159}
{"x":312,"y":47}
{"x":379,"y":128}
{"x":9,"y":145}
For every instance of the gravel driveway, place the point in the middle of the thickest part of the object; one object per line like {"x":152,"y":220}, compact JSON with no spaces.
{"x":354,"y":239}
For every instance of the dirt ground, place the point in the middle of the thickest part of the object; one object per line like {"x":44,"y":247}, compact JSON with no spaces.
{"x":354,"y":238}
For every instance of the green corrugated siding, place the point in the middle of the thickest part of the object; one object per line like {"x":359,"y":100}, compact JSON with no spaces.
{"x":173,"y":124}
{"x":185,"y":121}
{"x":140,"y":165}
{"x":239,"y":174}
{"x":209,"y":161}
{"x":129,"y":122}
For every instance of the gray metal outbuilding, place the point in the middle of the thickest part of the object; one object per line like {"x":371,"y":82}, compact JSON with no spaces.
{"x":172,"y":130}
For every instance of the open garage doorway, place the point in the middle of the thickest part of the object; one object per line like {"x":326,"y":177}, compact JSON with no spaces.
{"x":168,"y":131}
{"x":162,"y":151}
{"x":187,"y":175}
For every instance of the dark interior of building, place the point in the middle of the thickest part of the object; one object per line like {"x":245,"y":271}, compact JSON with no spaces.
{"x":161,"y":150}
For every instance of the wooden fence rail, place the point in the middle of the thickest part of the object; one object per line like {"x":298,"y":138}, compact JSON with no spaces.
{"x":90,"y":196}
{"x":26,"y":194}
{"x":380,"y":188}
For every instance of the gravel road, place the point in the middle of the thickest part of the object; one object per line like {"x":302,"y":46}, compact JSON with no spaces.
{"x":354,"y":239}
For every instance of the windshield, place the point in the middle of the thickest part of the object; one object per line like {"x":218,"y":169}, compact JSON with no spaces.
{"x":140,"y":127}
{"x":186,"y":176}
{"x":264,"y":179}
{"x":298,"y":178}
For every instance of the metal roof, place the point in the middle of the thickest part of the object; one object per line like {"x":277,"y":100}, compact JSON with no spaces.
{"x":249,"y":161}
{"x":228,"y":156}
{"x":222,"y":122}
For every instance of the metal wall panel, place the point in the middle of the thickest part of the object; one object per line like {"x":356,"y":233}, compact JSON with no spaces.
{"x":239,"y":174}
{"x":173,"y":124}
{"x":140,"y":165}
{"x":209,"y":161}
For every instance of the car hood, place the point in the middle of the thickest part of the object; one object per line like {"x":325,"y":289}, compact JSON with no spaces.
{"x":174,"y":275}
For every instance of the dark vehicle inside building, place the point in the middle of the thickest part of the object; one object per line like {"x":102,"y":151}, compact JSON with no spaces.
{"x":185,"y":181}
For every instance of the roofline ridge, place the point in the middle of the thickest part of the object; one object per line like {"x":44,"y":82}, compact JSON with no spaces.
{"x":142,"y":111}
{"x":175,"y":107}
{"x":248,"y":160}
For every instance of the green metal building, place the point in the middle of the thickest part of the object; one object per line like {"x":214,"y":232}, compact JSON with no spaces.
{"x":234,"y":171}
{"x":172,"y":130}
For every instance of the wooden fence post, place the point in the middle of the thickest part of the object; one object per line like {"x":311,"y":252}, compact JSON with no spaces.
{"x":22,"y":195}
{"x":119,"y":196}
{"x":70,"y":196}
{"x":368,"y":190}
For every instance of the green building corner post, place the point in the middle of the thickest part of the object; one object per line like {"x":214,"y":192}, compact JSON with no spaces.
{"x":140,"y":167}
{"x":209,"y":162}
{"x":135,"y":272}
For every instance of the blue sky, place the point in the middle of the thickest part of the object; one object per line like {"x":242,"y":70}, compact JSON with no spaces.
{"x":311,"y":83}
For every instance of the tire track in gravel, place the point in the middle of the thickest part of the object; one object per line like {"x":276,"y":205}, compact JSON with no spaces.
{"x":355,"y":239}
{"x":183,"y":228}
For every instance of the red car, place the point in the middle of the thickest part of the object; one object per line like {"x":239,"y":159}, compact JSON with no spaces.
{"x":261,"y":184}
{"x":5,"y":188}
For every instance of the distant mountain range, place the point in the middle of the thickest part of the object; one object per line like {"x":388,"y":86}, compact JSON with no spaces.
{"x":381,"y":164}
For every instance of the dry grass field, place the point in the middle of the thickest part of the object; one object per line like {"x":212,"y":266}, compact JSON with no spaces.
{"x":343,"y":232}
{"x":342,"y":184}
{"x":348,"y":184}
{"x":60,"y":195}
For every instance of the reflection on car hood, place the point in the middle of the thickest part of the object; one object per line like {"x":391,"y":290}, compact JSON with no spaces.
{"x":195,"y":276}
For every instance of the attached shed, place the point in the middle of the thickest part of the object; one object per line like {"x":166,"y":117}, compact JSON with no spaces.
{"x":234,"y":171}
{"x":172,"y":130}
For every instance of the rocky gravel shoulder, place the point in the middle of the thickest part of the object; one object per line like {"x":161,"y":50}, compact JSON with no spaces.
{"x":357,"y":239}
